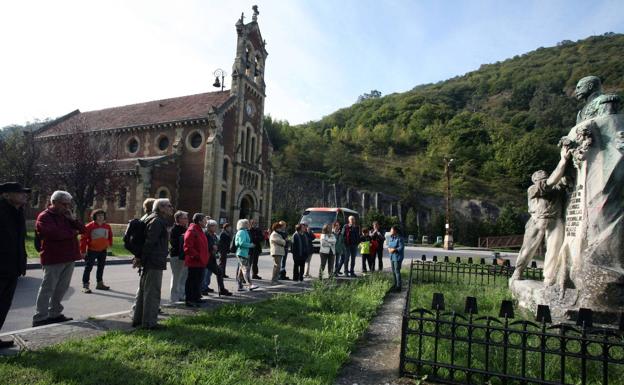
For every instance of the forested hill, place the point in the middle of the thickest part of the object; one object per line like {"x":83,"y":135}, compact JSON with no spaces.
{"x":500,"y":123}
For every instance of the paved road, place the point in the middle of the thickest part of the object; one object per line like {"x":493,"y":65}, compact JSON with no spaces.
{"x":123,"y":281}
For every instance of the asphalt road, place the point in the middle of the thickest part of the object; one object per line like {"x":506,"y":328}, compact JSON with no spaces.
{"x":123,"y":281}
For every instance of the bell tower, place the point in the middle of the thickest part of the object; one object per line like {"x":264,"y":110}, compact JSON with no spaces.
{"x":251,"y":55}
{"x":252,"y":181}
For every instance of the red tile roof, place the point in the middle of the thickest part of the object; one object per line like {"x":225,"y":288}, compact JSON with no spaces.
{"x":157,"y":111}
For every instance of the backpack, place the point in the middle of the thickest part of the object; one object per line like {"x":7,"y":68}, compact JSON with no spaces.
{"x":37,"y":242}
{"x":181,"y":251}
{"x":233,"y":246}
{"x":134,"y":237}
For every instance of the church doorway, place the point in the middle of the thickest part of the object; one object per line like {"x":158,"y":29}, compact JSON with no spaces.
{"x":246,"y":207}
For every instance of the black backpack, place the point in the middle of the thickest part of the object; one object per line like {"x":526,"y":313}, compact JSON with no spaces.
{"x":37,"y":242}
{"x":134,"y":237}
{"x":233,"y":245}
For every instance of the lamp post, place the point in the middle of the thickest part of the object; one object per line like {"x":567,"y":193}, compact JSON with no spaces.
{"x":448,"y":236}
{"x":219,"y":72}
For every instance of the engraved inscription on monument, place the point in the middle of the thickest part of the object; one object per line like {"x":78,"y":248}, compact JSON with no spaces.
{"x":574,"y":214}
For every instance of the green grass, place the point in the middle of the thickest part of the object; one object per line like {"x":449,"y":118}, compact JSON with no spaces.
{"x":489,"y":299}
{"x":117,"y":249}
{"x":290,"y":339}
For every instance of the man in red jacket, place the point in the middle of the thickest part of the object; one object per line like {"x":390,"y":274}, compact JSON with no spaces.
{"x":58,"y":230}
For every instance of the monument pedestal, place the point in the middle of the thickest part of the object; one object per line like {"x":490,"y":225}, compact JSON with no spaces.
{"x":531,"y":293}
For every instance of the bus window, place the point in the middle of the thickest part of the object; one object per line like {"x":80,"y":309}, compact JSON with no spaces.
{"x":317,"y":219}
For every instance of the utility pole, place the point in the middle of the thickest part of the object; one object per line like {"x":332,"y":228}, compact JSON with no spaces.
{"x":448,"y":236}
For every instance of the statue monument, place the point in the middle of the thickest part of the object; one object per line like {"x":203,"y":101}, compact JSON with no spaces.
{"x":579,"y":211}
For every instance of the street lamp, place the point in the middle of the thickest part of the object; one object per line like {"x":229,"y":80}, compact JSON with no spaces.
{"x":219,"y":72}
{"x":448,"y":236}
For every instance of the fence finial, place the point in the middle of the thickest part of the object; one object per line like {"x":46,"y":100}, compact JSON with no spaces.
{"x":506,"y":309}
{"x":471,"y":306}
{"x":438,"y":301}
{"x":584,"y":318}
{"x":543,"y":314}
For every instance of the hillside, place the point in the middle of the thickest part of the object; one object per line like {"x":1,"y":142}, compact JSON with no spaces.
{"x":500,"y":123}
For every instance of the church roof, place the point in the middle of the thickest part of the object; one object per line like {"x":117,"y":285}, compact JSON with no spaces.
{"x":154,"y":112}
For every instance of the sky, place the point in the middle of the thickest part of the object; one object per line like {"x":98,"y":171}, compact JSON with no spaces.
{"x":62,"y":55}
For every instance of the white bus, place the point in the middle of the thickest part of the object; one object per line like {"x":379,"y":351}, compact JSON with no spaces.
{"x":317,"y":217}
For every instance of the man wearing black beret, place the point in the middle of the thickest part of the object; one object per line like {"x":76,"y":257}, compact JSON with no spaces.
{"x":13,"y":197}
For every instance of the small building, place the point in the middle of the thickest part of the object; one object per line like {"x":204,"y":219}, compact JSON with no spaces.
{"x":207,"y":152}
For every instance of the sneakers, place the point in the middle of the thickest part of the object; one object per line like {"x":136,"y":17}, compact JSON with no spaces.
{"x":59,"y":319}
{"x":226,"y":276}
{"x":252,"y":287}
{"x":256,"y":276}
{"x":225,"y":292}
{"x":86,"y":290}
{"x":101,"y":286}
{"x":207,"y":291}
{"x":41,"y":322}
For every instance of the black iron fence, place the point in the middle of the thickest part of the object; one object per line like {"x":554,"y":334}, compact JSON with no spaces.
{"x":467,"y":271}
{"x":453,"y":348}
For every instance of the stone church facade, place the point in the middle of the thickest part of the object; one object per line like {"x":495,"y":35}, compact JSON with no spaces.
{"x":207,"y":152}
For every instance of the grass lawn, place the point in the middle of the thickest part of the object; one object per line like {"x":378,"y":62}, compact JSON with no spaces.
{"x":290,"y":339}
{"x":117,"y":249}
{"x":489,"y":298}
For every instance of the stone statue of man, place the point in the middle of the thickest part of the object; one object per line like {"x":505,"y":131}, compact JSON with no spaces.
{"x":546,"y":197}
{"x":589,"y":89}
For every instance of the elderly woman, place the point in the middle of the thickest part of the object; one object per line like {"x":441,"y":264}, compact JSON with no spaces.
{"x":327,"y":251}
{"x":176,"y":256}
{"x":213,"y":246}
{"x":243,"y":243}
{"x":225,"y":242}
{"x":277,"y":244}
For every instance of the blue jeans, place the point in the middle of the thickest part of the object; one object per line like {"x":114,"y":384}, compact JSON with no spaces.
{"x":396,"y":273}
{"x":283,"y":267}
{"x":340,"y":261}
{"x":206,"y":280}
{"x":350,"y":255}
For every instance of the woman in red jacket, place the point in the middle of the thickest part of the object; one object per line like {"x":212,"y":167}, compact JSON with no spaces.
{"x":196,"y":256}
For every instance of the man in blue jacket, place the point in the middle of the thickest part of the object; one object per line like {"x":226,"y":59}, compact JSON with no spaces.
{"x":396,"y":248}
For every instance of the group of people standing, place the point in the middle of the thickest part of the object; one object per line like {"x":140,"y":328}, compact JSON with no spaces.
{"x":194,"y":249}
{"x":196,"y":254}
{"x":339,"y":246}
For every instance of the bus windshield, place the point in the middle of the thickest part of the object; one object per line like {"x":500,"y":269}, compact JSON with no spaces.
{"x":317,"y":219}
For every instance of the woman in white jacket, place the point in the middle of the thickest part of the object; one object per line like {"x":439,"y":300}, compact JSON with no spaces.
{"x":327,"y":251}
{"x":277,"y":243}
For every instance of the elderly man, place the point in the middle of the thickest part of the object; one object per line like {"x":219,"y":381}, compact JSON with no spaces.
{"x":58,"y":230}
{"x":153,"y":260}
{"x":589,"y":90}
{"x":13,"y":197}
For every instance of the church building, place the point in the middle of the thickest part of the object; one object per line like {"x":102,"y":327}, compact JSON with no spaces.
{"x":207,"y":153}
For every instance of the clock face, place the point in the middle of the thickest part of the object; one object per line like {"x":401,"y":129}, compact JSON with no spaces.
{"x":250,"y":108}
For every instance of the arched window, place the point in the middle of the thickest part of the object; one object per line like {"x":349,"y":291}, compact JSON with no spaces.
{"x":224,"y":172}
{"x":247,"y":148}
{"x":253,"y":150}
{"x":242,"y":145}
{"x":123,"y":198}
